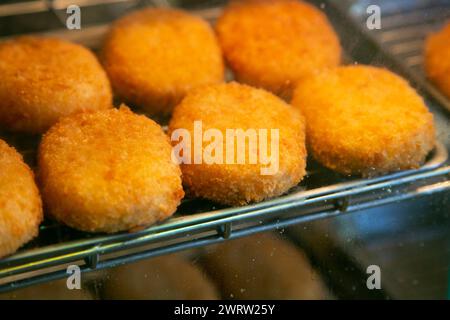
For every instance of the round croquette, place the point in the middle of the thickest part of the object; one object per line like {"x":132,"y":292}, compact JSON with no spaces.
{"x":43,"y":79}
{"x":168,"y":277}
{"x":155,"y":56}
{"x":437,"y":59}
{"x":235,"y":107}
{"x":263,"y":267}
{"x":20,"y":202}
{"x":108,"y":171}
{"x":364,"y":120}
{"x":274,"y":44}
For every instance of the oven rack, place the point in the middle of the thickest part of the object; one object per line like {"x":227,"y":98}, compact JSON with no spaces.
{"x":199,"y":229}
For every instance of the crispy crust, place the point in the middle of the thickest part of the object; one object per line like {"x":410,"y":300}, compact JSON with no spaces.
{"x":44,"y":79}
{"x":236,"y":106}
{"x":365,"y":120}
{"x":20,"y":202}
{"x":437,"y":59}
{"x":155,"y":56}
{"x":168,"y":277}
{"x":274,"y":44}
{"x":108,"y":171}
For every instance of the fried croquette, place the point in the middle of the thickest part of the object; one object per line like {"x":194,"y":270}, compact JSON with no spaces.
{"x":263,"y":267}
{"x":55,"y":290}
{"x":274,"y":44}
{"x":277,"y":127}
{"x":168,"y":277}
{"x":44,"y":79}
{"x":437,"y":59}
{"x":155,"y":56}
{"x":364,"y":120}
{"x":20,"y":202}
{"x":108,"y":171}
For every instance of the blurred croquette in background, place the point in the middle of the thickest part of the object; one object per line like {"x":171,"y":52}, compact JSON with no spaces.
{"x":255,"y":267}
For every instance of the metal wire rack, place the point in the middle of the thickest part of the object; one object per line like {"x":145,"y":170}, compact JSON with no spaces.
{"x":323,"y":194}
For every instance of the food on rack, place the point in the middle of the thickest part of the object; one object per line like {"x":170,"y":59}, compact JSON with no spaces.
{"x":44,"y":79}
{"x":169,"y":277}
{"x":263,"y":267}
{"x":364,"y":120}
{"x":155,"y":56}
{"x":55,"y":290}
{"x":20,"y":202}
{"x":246,"y":144}
{"x":108,"y":171}
{"x":437,"y":59}
{"x":274,"y":44}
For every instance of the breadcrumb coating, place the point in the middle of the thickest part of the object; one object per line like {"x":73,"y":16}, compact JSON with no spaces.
{"x":108,"y":171}
{"x":364,"y":120}
{"x":44,"y":79}
{"x":237,"y":106}
{"x":20,"y":202}
{"x":155,"y":56}
{"x":273,"y":44}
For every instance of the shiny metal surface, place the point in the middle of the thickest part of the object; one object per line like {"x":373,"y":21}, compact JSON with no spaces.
{"x":409,"y":241}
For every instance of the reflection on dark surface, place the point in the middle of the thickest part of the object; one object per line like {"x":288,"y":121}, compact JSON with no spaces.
{"x":409,"y":241}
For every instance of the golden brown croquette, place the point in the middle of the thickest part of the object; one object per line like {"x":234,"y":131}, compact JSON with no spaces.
{"x":364,"y":120}
{"x":263,"y":267}
{"x":169,"y":277}
{"x":43,"y":79}
{"x":272,"y":44}
{"x":155,"y":56}
{"x":236,"y":107}
{"x":20,"y":202}
{"x":108,"y":171}
{"x":437,"y":59}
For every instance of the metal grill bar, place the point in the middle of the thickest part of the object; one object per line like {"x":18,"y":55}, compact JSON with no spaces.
{"x":277,"y":224}
{"x":311,"y":209}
